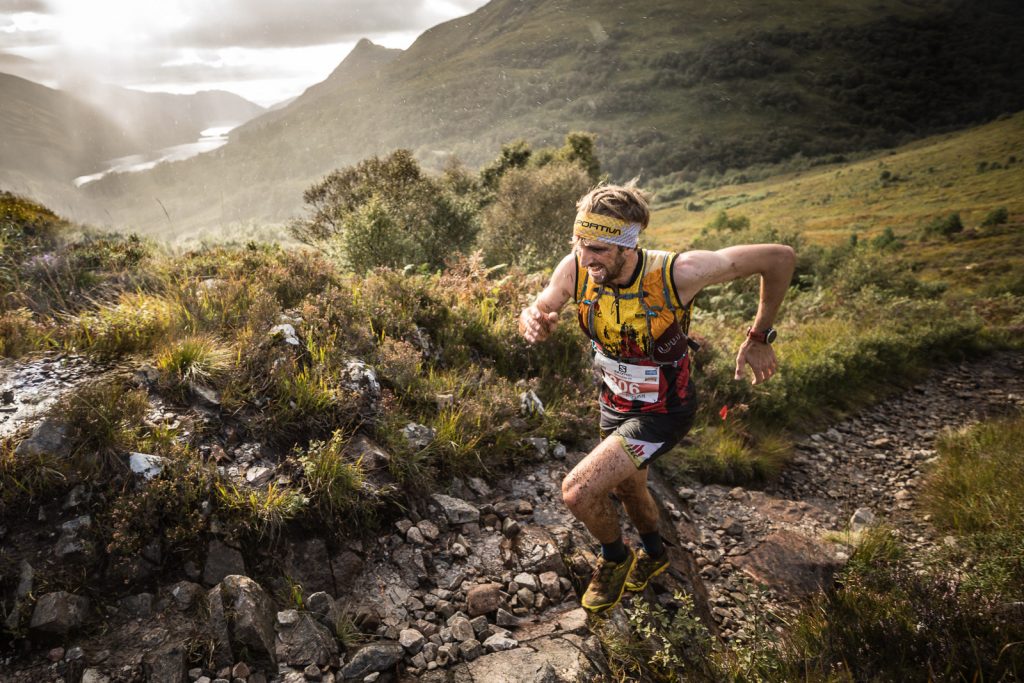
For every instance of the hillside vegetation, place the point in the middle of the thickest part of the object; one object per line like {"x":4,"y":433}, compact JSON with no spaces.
{"x":311,"y":351}
{"x":696,"y":89}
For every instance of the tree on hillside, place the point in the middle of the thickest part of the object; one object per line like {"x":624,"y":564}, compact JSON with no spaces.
{"x":386,"y":212}
{"x":530,"y":220}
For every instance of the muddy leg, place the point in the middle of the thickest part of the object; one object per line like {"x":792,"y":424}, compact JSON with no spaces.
{"x":585,"y":490}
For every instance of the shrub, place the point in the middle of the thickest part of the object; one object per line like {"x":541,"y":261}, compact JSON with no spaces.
{"x":386,"y":212}
{"x":168,"y":507}
{"x":995,"y":217}
{"x":134,"y":323}
{"x":530,"y":222}
{"x":192,"y":360}
{"x":259,"y":512}
{"x":945,"y":226}
{"x":105,"y":420}
{"x":334,"y":480}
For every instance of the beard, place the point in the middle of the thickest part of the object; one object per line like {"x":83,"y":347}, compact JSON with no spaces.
{"x":610,"y":273}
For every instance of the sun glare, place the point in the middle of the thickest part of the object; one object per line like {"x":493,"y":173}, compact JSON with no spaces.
{"x":110,"y":26}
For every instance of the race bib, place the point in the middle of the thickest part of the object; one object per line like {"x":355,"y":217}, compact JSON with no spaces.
{"x":628,"y":381}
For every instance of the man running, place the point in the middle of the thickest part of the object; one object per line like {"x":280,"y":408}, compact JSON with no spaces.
{"x":635,"y":305}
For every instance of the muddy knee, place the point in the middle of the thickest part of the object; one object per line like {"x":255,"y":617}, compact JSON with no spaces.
{"x":574,"y":494}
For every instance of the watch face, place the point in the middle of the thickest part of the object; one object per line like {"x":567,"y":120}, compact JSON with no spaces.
{"x":769,"y":335}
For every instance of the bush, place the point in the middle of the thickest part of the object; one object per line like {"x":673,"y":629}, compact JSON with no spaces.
{"x":530,"y":222}
{"x":995,"y":217}
{"x":945,"y":226}
{"x":386,"y":212}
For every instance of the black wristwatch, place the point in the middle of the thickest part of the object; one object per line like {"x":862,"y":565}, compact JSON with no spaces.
{"x":766,"y":337}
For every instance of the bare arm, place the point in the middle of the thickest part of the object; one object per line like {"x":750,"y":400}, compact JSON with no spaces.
{"x":695,"y":270}
{"x":537,"y":321}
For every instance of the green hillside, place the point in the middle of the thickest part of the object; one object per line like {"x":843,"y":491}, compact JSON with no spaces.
{"x":47,"y":133}
{"x":972,"y":171}
{"x":687,"y":88}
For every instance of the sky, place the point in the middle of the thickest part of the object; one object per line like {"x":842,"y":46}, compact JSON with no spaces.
{"x":264,"y":50}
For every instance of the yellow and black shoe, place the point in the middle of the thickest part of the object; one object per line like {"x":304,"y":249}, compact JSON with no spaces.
{"x":608,"y":583}
{"x":645,"y":569}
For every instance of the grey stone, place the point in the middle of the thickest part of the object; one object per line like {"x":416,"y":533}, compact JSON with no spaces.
{"x":500,"y":642}
{"x":241,"y":608}
{"x":551,"y":585}
{"x":547,"y":660}
{"x":286,"y":333}
{"x":539,"y":445}
{"x":362,"y":379}
{"x":94,"y":676}
{"x":419,"y":436}
{"x":412,"y":640}
{"x":462,"y":630}
{"x":166,"y":665}
{"x":186,"y":594}
{"x":222,"y":561}
{"x":306,"y":642}
{"x":530,"y":404}
{"x":526,"y":580}
{"x":456,"y":510}
{"x":428,"y":529}
{"x":470,"y":649}
{"x":372,"y":658}
{"x":861,"y":519}
{"x":59,"y":613}
{"x":258,"y":475}
{"x":49,"y":437}
{"x":506,"y":618}
{"x":145,"y":465}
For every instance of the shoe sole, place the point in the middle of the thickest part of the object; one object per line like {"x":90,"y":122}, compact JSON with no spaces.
{"x":635,"y":588}
{"x":595,"y":609}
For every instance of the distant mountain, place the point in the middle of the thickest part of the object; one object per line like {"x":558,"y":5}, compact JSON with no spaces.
{"x":156,"y":119}
{"x":667,"y":85}
{"x":363,"y":65}
{"x":48,"y":136}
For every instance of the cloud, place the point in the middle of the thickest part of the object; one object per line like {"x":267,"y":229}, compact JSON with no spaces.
{"x":13,"y":6}
{"x":271,"y":23}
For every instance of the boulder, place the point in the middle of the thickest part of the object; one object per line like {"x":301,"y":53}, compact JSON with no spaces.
{"x":796,"y":566}
{"x":49,"y":437}
{"x":547,"y":660}
{"x":59,"y":613}
{"x":372,"y":658}
{"x":456,"y":510}
{"x":306,"y":642}
{"x":241,"y":617}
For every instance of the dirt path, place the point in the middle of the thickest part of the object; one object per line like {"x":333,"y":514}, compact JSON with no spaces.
{"x":764,"y":552}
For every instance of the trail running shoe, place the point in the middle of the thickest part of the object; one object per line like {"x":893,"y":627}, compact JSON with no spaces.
{"x":645,"y":569}
{"x":607,"y":584}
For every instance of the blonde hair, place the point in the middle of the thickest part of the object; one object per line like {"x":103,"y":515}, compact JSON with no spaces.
{"x":627,"y":202}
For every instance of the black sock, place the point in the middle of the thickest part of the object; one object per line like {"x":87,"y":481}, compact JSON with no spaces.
{"x":614,"y":552}
{"x":652,"y":543}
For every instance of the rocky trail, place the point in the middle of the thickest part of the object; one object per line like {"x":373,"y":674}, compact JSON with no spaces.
{"x":478,"y":584}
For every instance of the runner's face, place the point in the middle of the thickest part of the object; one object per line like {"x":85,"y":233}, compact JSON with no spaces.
{"x":603,"y":261}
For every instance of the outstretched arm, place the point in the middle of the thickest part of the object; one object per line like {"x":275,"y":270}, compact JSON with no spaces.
{"x":537,"y":321}
{"x":695,"y":270}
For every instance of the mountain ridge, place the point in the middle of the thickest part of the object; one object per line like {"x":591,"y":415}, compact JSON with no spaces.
{"x":667,"y":87}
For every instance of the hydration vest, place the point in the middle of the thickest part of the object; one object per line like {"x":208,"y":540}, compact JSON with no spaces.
{"x":639,"y":335}
{"x":641,"y":321}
